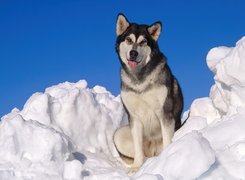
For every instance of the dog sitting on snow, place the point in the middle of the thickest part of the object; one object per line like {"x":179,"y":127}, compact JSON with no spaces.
{"x":150,"y":93}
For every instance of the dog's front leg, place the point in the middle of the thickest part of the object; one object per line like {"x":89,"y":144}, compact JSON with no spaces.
{"x":137,"y":134}
{"x":167,"y":129}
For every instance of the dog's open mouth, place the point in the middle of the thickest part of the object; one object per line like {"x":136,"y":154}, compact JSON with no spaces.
{"x":132,"y":63}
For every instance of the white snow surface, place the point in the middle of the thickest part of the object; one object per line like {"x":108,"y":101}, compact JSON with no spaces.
{"x":66,"y":132}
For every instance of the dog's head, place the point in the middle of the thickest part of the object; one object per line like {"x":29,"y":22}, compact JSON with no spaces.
{"x":136,"y":43}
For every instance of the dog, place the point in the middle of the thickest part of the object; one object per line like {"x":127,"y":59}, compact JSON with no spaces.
{"x":150,"y":94}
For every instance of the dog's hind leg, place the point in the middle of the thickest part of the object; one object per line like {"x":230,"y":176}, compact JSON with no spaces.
{"x":124,"y":142}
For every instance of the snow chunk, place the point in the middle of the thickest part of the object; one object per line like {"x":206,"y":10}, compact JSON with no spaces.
{"x":208,"y":111}
{"x":89,"y":118}
{"x":31,"y":149}
{"x":216,"y":55}
{"x":30,"y":140}
{"x":187,"y":158}
{"x":228,"y":64}
{"x":54,"y":126}
{"x":72,"y":170}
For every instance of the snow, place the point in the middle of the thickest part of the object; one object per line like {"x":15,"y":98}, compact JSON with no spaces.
{"x":190,"y":157}
{"x":66,"y":133}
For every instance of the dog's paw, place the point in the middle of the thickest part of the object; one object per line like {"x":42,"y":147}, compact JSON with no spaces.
{"x":133,"y":169}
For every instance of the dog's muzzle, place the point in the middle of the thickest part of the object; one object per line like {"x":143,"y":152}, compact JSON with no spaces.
{"x":133,"y":55}
{"x":132,"y":61}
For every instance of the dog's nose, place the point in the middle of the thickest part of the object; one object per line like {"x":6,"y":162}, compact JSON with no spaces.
{"x":133,"y":54}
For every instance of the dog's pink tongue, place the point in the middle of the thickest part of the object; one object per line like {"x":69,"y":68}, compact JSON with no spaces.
{"x":132,"y":64}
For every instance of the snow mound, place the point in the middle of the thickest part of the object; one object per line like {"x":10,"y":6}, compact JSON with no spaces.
{"x":228,"y":65}
{"x":192,"y":151}
{"x":87,"y":116}
{"x":67,"y":131}
{"x":58,"y":130}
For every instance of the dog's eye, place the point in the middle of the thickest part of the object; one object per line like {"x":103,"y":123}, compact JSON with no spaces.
{"x":129,"y":40}
{"x":143,"y":42}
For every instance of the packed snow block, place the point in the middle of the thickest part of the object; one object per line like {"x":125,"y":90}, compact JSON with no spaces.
{"x":203,"y":107}
{"x":186,"y":158}
{"x":32,"y":141}
{"x":226,"y":132}
{"x":228,"y":65}
{"x":43,"y":139}
{"x":194,"y":123}
{"x":72,"y":170}
{"x":88,"y":117}
{"x":31,"y":150}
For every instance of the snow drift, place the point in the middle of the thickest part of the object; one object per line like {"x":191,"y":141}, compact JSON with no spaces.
{"x":66,"y":132}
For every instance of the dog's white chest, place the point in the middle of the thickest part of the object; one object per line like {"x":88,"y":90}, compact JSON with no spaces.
{"x":146,"y":107}
{"x":151,"y":100}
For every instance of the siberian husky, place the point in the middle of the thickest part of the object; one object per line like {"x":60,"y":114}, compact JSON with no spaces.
{"x":150,"y":93}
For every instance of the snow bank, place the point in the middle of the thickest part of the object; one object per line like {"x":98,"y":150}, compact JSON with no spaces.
{"x":66,"y":132}
{"x":187,"y":158}
{"x":87,"y":116}
{"x":220,"y":118}
{"x":228,"y":93}
{"x":57,"y":131}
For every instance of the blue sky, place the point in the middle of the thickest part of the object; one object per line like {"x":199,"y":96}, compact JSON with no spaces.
{"x":45,"y":42}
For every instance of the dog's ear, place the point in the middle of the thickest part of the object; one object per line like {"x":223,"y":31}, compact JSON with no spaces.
{"x":155,"y":30}
{"x":122,"y":24}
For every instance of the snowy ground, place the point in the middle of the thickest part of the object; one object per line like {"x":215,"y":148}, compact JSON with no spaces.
{"x":66,"y":132}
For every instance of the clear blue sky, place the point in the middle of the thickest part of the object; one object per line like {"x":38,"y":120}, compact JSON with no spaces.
{"x":46,"y":42}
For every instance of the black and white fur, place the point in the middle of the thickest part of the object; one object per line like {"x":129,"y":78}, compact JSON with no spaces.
{"x":150,"y":93}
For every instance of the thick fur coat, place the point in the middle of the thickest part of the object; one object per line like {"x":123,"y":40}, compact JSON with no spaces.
{"x":150,"y":93}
